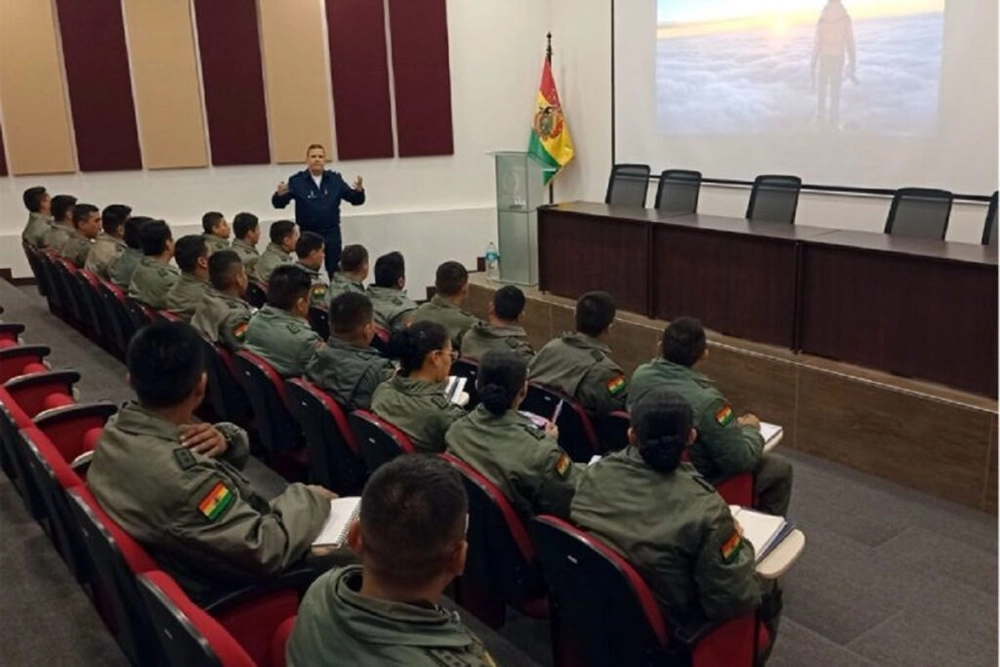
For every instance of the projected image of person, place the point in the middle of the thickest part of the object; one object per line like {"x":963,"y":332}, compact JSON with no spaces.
{"x":834,"y":43}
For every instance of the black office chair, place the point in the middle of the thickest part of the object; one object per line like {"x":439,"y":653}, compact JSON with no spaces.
{"x":678,"y":191}
{"x":774,"y":198}
{"x":990,"y":230}
{"x":628,"y":185}
{"x":919,"y":213}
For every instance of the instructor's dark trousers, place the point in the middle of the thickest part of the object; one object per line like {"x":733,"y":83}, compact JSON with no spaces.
{"x":333,"y":242}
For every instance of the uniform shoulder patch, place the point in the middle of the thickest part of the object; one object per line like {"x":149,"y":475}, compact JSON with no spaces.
{"x":563,"y":464}
{"x":240,"y":331}
{"x":731,"y":547}
{"x":616,"y":385}
{"x":724,"y":415}
{"x":185,"y":459}
{"x":512,"y":342}
{"x":440,"y":401}
{"x":294,"y":328}
{"x":319,"y":291}
{"x":215,"y":502}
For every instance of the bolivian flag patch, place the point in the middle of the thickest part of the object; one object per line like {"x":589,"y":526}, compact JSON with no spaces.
{"x":616,"y":385}
{"x":319,"y":291}
{"x":732,"y":547}
{"x":216,"y":501}
{"x":562,"y":465}
{"x":724,"y":415}
{"x":240,"y":331}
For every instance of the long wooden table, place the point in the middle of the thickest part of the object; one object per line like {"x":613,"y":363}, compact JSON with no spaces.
{"x":916,"y":307}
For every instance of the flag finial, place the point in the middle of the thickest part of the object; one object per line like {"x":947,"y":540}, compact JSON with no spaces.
{"x":548,"y":47}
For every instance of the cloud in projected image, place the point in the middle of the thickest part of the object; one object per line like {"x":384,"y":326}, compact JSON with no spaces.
{"x":727,"y":74}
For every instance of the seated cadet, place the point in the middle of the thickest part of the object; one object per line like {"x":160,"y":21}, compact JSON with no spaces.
{"x":521,"y":459}
{"x":352,"y":274}
{"x":284,"y":234}
{"x":309,"y":249}
{"x":122,"y":268}
{"x":387,"y":611}
{"x":669,"y":523}
{"x":62,"y":221}
{"x":413,"y":399}
{"x":348,"y":367}
{"x":502,"y":331}
{"x":579,"y":364}
{"x":176,"y":486}
{"x":216,"y":231}
{"x":727,"y":445}
{"x":191,"y":254}
{"x":155,"y":275}
{"x":393,"y":309}
{"x":110,"y":243}
{"x":280,"y":333}
{"x":222,"y":315}
{"x":451,"y":284}
{"x":246,"y":229}
{"x":39,"y":204}
{"x":86,"y":227}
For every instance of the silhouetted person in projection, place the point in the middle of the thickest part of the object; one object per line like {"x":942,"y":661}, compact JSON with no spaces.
{"x":833,"y":47}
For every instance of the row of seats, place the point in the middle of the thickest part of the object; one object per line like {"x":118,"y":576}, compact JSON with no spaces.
{"x":916,"y":212}
{"x":45,"y":436}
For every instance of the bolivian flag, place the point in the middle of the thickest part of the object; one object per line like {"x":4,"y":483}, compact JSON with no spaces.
{"x":550,"y":142}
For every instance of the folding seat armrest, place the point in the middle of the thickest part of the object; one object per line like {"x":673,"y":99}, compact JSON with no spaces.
{"x":58,"y":381}
{"x":10,"y":329}
{"x":35,"y":352}
{"x":297,"y":578}
{"x":101,"y":410}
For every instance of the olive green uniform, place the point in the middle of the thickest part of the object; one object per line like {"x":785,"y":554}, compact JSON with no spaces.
{"x":197,"y":514}
{"x":215,"y":243}
{"x":282,"y":340}
{"x":185,"y":296}
{"x":248,"y":254}
{"x":336,"y":625}
{"x":36,"y":227}
{"x":581,"y":367}
{"x":519,"y":458}
{"x":484,"y":337}
{"x":393,"y":309}
{"x":677,"y":532}
{"x":350,"y":374}
{"x":448,"y":315}
{"x":273,"y":257}
{"x":419,"y":409}
{"x":222,"y":318}
{"x":76,"y":248}
{"x":340,"y":283}
{"x":103,"y":253}
{"x":724,"y":448}
{"x":56,"y":236}
{"x":124,"y":266}
{"x":319,"y":288}
{"x":151,"y":281}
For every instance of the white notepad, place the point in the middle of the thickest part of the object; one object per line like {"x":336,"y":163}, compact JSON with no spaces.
{"x":343,"y":512}
{"x":455,"y":388}
{"x":772,"y":434}
{"x":762,"y":531}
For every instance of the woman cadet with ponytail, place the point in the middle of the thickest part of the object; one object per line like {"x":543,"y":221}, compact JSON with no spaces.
{"x":669,"y":522}
{"x":521,"y":459}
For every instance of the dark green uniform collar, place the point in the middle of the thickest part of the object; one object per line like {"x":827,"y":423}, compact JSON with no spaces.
{"x":442,"y":302}
{"x":417,"y":387}
{"x":137,"y":420}
{"x":585,"y":342}
{"x":671,"y":369}
{"x":338,"y":344}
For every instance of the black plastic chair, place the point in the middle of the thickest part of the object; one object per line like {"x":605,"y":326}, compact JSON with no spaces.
{"x":256,"y":294}
{"x":919,"y":213}
{"x":678,"y":190}
{"x":379,"y":441}
{"x":53,"y":293}
{"x":577,"y":435}
{"x":140,"y":313}
{"x":68,"y":290}
{"x":226,"y":397}
{"x":628,"y":185}
{"x":319,"y":320}
{"x":35,"y":262}
{"x":774,"y":198}
{"x":990,"y":228}
{"x":118,"y":323}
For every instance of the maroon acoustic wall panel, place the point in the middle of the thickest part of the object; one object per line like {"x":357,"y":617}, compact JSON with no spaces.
{"x":233,"y":80}
{"x":100,"y":87}
{"x":3,"y":156}
{"x":422,"y":77}
{"x":359,"y":66}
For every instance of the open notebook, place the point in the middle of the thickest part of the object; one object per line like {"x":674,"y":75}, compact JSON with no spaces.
{"x":763,"y":531}
{"x":454,"y":391}
{"x":772,"y":434}
{"x":343,"y":512}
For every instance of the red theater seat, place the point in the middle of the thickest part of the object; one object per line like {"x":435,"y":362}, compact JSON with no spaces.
{"x":380,"y":441}
{"x":577,"y":435}
{"x":37,"y":392}
{"x":20,"y":359}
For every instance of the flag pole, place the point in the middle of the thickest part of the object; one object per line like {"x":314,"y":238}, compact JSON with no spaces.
{"x":548,"y":60}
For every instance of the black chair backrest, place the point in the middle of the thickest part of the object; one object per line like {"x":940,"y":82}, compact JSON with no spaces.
{"x":279,"y":433}
{"x":319,"y":320}
{"x":140,"y":313}
{"x":577,"y":436}
{"x":35,"y":262}
{"x":774,"y":198}
{"x":468,"y":369}
{"x":990,"y":228}
{"x":678,"y":190}
{"x":228,"y":400}
{"x":379,"y":441}
{"x":68,"y":290}
{"x":604,"y":611}
{"x":628,"y":185}
{"x":334,"y":458}
{"x":92,"y":307}
{"x":118,"y":322}
{"x":54,"y":294}
{"x":919,"y":213}
{"x":180,"y":641}
{"x":256,"y":294}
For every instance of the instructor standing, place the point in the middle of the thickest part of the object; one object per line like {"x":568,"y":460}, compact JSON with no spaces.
{"x":317,"y":193}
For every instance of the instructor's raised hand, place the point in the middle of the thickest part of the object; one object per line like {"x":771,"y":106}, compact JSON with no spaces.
{"x":359,"y":183}
{"x":282,"y":188}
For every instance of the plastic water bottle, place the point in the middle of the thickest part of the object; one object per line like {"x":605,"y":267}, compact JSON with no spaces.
{"x":492,"y":257}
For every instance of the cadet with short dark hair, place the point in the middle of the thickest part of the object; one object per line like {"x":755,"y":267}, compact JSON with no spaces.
{"x":222,"y":315}
{"x":347,"y":367}
{"x":191,"y":254}
{"x":451,"y":285}
{"x":521,"y":459}
{"x":246,"y":229}
{"x":309,"y":249}
{"x":154,"y":276}
{"x":86,"y":227}
{"x":579,"y":364}
{"x":110,"y":243}
{"x":62,"y":222}
{"x":124,"y":266}
{"x":280,"y":332}
{"x":727,"y":445}
{"x":176,"y":486}
{"x":501,"y":331}
{"x":216,"y":230}
{"x":352,"y":274}
{"x":411,"y":539}
{"x":39,"y":204}
{"x":284,"y":235}
{"x":393,"y":309}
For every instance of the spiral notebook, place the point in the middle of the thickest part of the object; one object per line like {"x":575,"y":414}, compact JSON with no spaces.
{"x":343,"y":512}
{"x":763,"y":531}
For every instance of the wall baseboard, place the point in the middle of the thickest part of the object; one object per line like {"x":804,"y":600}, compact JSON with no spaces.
{"x":8,"y":275}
